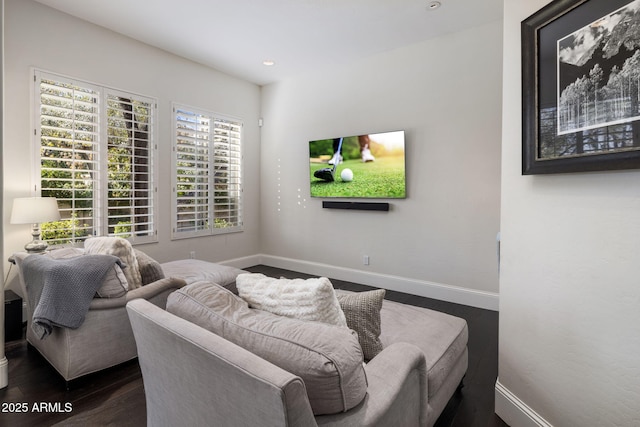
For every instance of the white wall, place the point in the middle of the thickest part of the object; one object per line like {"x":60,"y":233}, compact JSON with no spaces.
{"x":569,"y":286}
{"x":4,"y":366}
{"x":446,"y":95}
{"x":37,"y":36}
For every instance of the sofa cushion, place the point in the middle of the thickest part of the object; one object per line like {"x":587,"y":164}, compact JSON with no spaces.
{"x":441,"y":337}
{"x":195,"y":270}
{"x":122,"y":249}
{"x":115,"y":282}
{"x":328,"y":358}
{"x":311,"y":299}
{"x":150,"y":269}
{"x":362,"y":310}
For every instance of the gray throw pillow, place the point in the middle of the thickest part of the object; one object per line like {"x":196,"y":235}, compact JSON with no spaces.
{"x":328,"y":358}
{"x":362,"y":310}
{"x":150,"y":269}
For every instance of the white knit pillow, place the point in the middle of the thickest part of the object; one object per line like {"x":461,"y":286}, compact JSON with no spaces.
{"x":122,"y":249}
{"x":310,"y":299}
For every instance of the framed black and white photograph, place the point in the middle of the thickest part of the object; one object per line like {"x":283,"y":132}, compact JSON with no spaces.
{"x":581,"y":87}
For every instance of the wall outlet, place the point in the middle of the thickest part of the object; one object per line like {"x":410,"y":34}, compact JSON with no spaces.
{"x":192,"y":254}
{"x":365,"y":259}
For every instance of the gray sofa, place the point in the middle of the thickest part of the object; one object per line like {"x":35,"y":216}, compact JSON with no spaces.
{"x":221,"y":383}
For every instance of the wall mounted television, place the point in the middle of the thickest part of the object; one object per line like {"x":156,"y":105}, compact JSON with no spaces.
{"x":361,"y":166}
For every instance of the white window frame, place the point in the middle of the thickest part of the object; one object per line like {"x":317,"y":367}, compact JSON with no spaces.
{"x":100,"y":223}
{"x":202,"y":226}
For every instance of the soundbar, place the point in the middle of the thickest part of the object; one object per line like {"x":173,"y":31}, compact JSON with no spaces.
{"x":361,"y":206}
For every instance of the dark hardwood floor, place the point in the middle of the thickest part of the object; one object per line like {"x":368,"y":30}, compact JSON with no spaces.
{"x":115,"y":397}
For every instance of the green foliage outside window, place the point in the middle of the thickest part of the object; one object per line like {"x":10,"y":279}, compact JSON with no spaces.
{"x":64,"y":231}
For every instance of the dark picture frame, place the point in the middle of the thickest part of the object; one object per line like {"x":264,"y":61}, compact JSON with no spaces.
{"x":580,"y":107}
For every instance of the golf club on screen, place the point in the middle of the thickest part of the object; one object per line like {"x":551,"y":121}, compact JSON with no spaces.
{"x":328,"y":174}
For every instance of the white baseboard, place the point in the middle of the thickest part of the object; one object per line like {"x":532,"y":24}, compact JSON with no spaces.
{"x":514,"y":411}
{"x":243,"y":262}
{"x":470,"y":297}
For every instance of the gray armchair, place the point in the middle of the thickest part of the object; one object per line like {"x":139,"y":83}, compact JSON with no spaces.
{"x":105,"y":337}
{"x":220,"y":383}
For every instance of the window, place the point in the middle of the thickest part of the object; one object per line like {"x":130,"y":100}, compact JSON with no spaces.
{"x":96,"y":152}
{"x":206,"y":174}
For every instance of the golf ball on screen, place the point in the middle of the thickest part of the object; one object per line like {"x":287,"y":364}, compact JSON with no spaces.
{"x":346,"y":175}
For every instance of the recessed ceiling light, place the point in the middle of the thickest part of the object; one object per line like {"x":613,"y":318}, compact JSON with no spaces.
{"x":434,"y":5}
{"x":269,"y":62}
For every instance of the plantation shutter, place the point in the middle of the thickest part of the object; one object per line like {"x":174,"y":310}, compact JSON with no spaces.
{"x":96,"y":156}
{"x":69,"y":155}
{"x":227,"y":179}
{"x":206,"y":174}
{"x":130,"y":182}
{"x":192,"y":154}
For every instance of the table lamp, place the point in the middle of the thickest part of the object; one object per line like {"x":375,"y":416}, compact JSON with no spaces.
{"x":35,"y":210}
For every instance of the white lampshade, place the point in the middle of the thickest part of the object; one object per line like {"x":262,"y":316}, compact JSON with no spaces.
{"x":34,"y":210}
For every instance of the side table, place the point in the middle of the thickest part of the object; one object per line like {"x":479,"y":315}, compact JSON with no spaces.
{"x":12,"y":316}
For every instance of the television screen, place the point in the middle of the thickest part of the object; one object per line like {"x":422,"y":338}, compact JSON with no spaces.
{"x":362,"y":166}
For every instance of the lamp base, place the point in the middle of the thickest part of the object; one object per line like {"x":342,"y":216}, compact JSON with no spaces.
{"x":36,"y":247}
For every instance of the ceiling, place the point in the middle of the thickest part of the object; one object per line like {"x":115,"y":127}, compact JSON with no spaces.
{"x":236,"y":36}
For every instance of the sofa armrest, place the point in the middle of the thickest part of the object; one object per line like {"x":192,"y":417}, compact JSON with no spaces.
{"x":144,"y":292}
{"x":154,"y":288}
{"x":194,"y":377}
{"x":396,"y":392}
{"x":390,"y":370}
